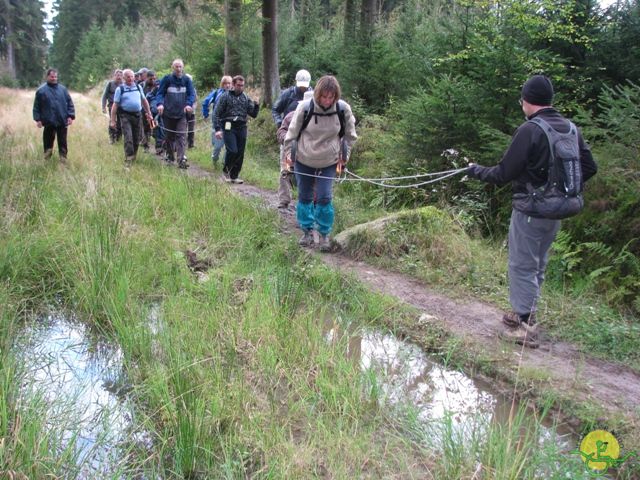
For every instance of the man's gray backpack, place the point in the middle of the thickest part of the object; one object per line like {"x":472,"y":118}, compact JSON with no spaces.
{"x":561,"y":196}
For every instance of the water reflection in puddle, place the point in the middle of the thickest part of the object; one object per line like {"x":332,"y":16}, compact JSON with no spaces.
{"x":83,"y":384}
{"x":407,"y":378}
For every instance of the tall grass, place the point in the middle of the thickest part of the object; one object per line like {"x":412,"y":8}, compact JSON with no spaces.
{"x":236,"y":379}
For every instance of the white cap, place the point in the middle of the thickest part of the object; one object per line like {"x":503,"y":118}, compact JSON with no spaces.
{"x":303,"y":78}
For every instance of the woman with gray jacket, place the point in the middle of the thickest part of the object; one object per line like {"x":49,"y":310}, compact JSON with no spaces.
{"x":320,"y":138}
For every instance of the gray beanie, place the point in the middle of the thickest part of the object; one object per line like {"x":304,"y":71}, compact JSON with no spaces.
{"x":538,"y":90}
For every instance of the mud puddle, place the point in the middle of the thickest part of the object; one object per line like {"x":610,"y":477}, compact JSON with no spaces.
{"x":435,"y":395}
{"x":82,"y":382}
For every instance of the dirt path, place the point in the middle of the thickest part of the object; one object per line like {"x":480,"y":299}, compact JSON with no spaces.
{"x":610,"y":391}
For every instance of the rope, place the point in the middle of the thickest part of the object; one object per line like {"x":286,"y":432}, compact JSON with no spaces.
{"x":381,"y":182}
{"x":199,"y":129}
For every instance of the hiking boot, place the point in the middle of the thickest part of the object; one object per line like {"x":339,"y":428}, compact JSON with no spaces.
{"x":63,"y":160}
{"x":307,"y":239}
{"x":237,"y":180}
{"x":283,"y":205}
{"x":324,"y":243}
{"x":513,"y":320}
{"x":183,"y":165}
{"x":524,"y":334}
{"x":48,"y":153}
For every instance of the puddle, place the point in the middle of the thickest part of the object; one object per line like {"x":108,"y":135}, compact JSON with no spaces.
{"x":85,"y":390}
{"x":408,"y":378}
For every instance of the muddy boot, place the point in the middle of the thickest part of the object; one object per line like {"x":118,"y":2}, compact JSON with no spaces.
{"x":48,"y":153}
{"x":524,"y":334}
{"x":513,"y":320}
{"x":129,"y":161}
{"x":63,"y":160}
{"x":324,"y":243}
{"x":307,"y":239}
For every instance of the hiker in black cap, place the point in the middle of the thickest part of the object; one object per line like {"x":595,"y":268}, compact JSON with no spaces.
{"x":526,"y":164}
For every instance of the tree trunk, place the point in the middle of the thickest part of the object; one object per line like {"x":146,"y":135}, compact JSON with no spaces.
{"x":232,"y":59}
{"x":350,"y":22}
{"x":6,"y":24}
{"x":11,"y":53}
{"x":271,"y":72}
{"x":367,"y":20}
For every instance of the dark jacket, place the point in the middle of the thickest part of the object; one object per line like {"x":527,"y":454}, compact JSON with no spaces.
{"x":53,"y":105}
{"x":211,"y":99}
{"x":233,"y":108}
{"x":527,"y":158}
{"x":152,"y":98}
{"x":287,"y":102}
{"x":109,"y":92}
{"x":175,"y":93}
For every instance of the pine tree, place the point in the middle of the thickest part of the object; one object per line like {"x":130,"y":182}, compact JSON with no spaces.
{"x":23,"y":41}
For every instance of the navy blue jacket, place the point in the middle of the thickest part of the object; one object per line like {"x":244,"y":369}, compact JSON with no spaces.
{"x":287,"y":102}
{"x":174,"y":94}
{"x":53,"y":105}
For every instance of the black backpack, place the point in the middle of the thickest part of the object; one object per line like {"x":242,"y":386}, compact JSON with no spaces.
{"x":561,"y":196}
{"x":309,"y":113}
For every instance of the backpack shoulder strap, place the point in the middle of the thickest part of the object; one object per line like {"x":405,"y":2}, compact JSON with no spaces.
{"x":308,"y":114}
{"x":341,"y":117}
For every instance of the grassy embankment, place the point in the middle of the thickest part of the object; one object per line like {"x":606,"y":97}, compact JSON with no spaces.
{"x":240,"y":380}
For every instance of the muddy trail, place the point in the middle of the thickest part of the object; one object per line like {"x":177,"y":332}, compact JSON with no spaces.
{"x":609,"y":391}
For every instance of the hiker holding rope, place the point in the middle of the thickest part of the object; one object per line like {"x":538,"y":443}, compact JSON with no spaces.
{"x":107,"y":102}
{"x":128,"y":103}
{"x":545,"y":146}
{"x":287,"y":103}
{"x":319,"y":140}
{"x":230,"y":117}
{"x":175,"y":99}
{"x":158,"y":126}
{"x":191,"y":118}
{"x":53,"y":109}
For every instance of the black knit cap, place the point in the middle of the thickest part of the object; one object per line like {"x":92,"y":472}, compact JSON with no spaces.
{"x":538,"y":90}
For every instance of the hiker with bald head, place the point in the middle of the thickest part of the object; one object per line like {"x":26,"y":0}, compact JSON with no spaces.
{"x":128,"y":103}
{"x":547,"y":164}
{"x":176,"y":97}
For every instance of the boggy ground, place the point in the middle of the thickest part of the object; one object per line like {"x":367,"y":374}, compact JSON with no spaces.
{"x":588,"y":391}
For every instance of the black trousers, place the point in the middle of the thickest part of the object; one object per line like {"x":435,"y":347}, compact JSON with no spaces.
{"x":191,"y":128}
{"x":114,"y":132}
{"x":234,"y":142}
{"x":49,"y":135}
{"x":131,"y":131}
